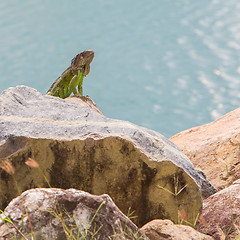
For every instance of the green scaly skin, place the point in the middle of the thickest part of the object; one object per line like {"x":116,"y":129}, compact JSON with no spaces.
{"x":73,"y":76}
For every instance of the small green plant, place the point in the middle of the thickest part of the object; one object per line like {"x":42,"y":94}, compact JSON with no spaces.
{"x":81,"y":234}
{"x":8,"y":167}
{"x":6,"y":219}
{"x":182,"y":218}
{"x":33,"y":164}
{"x":126,"y":233}
{"x":177,"y":188}
{"x":182,"y":215}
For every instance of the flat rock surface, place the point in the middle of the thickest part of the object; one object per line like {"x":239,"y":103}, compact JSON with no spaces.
{"x":214,"y":147}
{"x":76,"y":146}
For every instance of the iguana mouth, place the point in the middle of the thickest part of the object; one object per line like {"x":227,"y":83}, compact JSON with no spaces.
{"x":89,"y":56}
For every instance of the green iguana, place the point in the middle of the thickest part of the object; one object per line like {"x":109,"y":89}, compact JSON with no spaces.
{"x":72,"y":76}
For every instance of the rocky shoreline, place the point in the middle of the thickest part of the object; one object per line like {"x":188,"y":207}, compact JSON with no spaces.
{"x":79,"y":149}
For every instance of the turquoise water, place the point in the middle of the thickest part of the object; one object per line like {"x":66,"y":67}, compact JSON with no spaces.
{"x":165,"y":65}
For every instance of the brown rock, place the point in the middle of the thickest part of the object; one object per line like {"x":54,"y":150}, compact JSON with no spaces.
{"x":55,"y":213}
{"x":214,"y":148}
{"x":221,"y":214}
{"x":165,"y":229}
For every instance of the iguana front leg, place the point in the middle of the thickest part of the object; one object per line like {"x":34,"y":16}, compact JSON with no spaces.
{"x":77,"y":81}
{"x":80,"y":84}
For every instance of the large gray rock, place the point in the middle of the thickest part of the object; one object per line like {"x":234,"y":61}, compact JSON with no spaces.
{"x":56,"y":213}
{"x":76,"y":146}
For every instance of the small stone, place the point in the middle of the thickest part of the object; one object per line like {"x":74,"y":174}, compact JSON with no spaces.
{"x":166,"y":230}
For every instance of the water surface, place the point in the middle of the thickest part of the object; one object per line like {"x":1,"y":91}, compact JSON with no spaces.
{"x":166,"y":65}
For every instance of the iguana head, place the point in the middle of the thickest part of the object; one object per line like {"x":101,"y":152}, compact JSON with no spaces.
{"x":82,"y":61}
